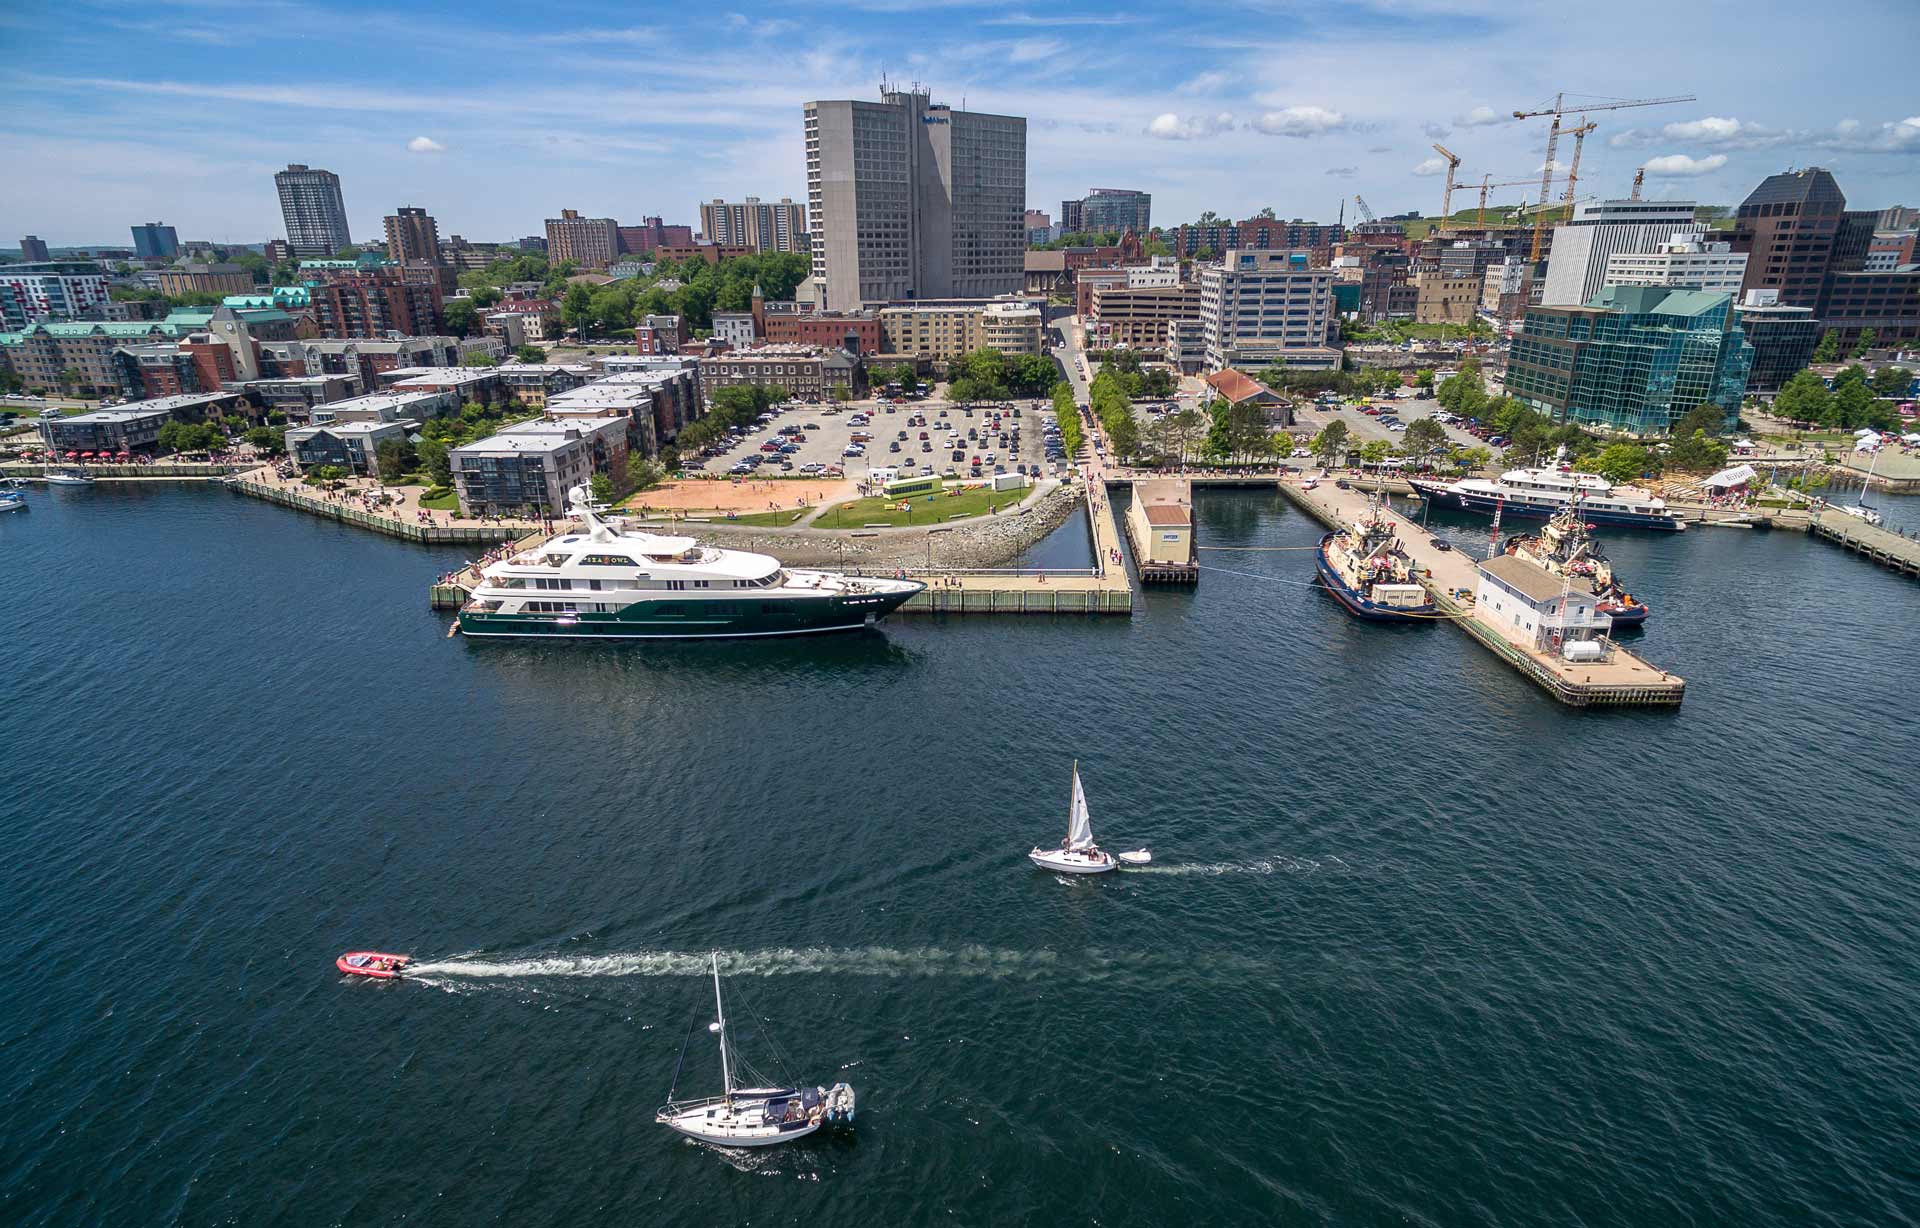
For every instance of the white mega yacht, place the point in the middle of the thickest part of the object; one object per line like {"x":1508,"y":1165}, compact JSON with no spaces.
{"x":609,"y":582}
{"x":1539,"y":493}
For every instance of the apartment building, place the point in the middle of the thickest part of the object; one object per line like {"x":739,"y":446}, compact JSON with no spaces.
{"x":590,"y":242}
{"x":1115,"y":210}
{"x":528,"y":468}
{"x":810,"y":373}
{"x":911,"y":199}
{"x":856,"y":330}
{"x":941,"y":331}
{"x":758,"y":226}
{"x":650,"y":235}
{"x":1258,"y":308}
{"x":53,"y":289}
{"x":314,"y":210}
{"x":373,"y":302}
{"x":413,"y":235}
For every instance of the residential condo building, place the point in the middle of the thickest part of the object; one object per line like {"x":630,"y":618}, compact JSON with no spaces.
{"x":590,"y":242}
{"x":1111,"y":209}
{"x":412,"y":235}
{"x":911,"y":199}
{"x":755,"y":225}
{"x":315,"y":212}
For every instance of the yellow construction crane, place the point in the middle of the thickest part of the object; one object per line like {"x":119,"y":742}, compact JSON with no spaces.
{"x":1362,"y":202}
{"x":1573,"y":171}
{"x":1639,"y":177}
{"x":1560,"y":108}
{"x":1446,"y":198}
{"x":1486,"y":185}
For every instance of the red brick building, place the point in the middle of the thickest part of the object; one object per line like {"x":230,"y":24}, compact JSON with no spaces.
{"x":712,"y":253}
{"x":828,"y":328}
{"x":643,"y":239}
{"x":375,"y":302}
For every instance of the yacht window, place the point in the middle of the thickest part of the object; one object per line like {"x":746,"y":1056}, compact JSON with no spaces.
{"x":703,"y":584}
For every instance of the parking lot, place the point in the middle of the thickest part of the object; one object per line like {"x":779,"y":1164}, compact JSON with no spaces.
{"x":930,"y":436}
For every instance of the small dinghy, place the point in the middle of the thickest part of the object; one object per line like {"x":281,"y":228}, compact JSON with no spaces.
{"x":751,"y":1116}
{"x":372,"y":963}
{"x":1078,"y":854}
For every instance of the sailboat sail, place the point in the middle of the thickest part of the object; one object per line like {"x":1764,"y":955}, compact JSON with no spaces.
{"x":1079,"y":822}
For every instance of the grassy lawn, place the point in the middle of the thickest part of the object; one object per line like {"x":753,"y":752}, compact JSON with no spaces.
{"x":780,"y":519}
{"x":448,"y":502}
{"x":925,"y":510}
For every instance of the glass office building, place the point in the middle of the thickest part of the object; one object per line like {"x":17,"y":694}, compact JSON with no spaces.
{"x":1633,"y":359}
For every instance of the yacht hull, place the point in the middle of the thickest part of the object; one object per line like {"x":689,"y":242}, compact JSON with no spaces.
{"x":695,"y":620}
{"x":1525,"y":508}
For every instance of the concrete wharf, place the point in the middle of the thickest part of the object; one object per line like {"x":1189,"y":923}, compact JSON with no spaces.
{"x":1622,"y":679}
{"x":1883,"y":546}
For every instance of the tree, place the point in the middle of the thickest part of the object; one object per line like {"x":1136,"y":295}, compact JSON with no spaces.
{"x":577,"y":308}
{"x":1705,"y":416}
{"x":1466,"y":393}
{"x":1852,"y":403}
{"x":1621,"y":462}
{"x":1866,"y":342}
{"x":394,"y":459}
{"x":600,"y":487}
{"x":432,"y":456}
{"x":1423,"y":436}
{"x":1803,"y":398}
{"x":1331,"y":442}
{"x":1829,"y":348}
{"x":268,"y":441}
{"x":643,"y":474}
{"x":1423,"y":378}
{"x":1698,"y":452}
{"x":1067,"y":415}
{"x":348,"y":252}
{"x":479,"y":360}
{"x":530,"y":353}
{"x":460,"y":316}
{"x":1472,"y":460}
{"x":1892,"y":381}
{"x":1374,"y":451}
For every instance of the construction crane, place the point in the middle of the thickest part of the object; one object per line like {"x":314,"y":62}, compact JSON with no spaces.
{"x":1560,"y":108}
{"x":1486,"y":185}
{"x":1639,"y":177}
{"x":1446,"y":198}
{"x":1364,"y":211}
{"x":1573,"y":172}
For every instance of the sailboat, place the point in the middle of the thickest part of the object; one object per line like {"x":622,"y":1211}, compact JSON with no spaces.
{"x":751,"y":1116}
{"x":1861,"y":507}
{"x":1078,"y":854}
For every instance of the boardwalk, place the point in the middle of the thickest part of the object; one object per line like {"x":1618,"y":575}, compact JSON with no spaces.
{"x":1104,"y":589}
{"x":1887,"y":548}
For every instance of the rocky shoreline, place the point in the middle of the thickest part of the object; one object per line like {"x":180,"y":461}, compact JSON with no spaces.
{"x":985,"y":541}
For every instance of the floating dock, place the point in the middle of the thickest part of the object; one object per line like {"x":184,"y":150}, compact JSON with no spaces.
{"x":1884,"y":547}
{"x":1622,"y":679}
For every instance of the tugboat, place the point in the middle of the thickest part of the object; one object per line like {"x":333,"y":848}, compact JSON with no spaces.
{"x":1565,"y":547}
{"x":1367,"y":572}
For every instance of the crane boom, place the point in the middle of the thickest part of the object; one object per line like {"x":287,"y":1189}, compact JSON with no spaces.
{"x":1446,"y":198}
{"x":1364,"y":211}
{"x":1559,"y":108}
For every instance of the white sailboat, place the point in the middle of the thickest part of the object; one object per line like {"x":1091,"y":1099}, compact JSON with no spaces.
{"x":1861,"y":508}
{"x":1078,"y":854}
{"x":751,"y":1116}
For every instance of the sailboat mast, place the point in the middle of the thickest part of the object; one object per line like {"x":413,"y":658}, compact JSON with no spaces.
{"x":719,"y":1009}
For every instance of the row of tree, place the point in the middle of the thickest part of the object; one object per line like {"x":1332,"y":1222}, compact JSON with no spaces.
{"x":691,"y":289}
{"x":988,"y":375}
{"x":1853,"y":401}
{"x":1067,"y":413}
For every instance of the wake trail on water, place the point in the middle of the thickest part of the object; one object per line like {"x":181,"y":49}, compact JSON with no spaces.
{"x":1274,"y":865}
{"x":991,"y":963}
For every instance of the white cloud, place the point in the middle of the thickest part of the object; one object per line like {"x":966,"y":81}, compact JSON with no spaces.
{"x":1172,"y":127}
{"x":1064,"y":19}
{"x":1432,"y":166}
{"x":1437,"y":132}
{"x":1711,"y":128}
{"x":1480,"y":117}
{"x":1307,"y":121}
{"x":1899,"y":137}
{"x":1343,"y":172}
{"x":1027,"y":50}
{"x":1210,"y":82}
{"x":1681,"y":166}
{"x":425,"y":144}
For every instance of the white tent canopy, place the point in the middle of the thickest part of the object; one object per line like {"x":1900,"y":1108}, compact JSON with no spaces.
{"x":1727,"y":479}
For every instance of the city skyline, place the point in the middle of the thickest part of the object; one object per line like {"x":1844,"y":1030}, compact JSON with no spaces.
{"x":1325,"y":103}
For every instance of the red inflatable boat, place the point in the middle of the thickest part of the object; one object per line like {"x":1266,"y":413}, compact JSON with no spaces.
{"x":372,"y":963}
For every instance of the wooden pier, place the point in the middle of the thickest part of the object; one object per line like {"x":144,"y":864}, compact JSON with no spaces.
{"x":1622,"y":679}
{"x":1884,"y":547}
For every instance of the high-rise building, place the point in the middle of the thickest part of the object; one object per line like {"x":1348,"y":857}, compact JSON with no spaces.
{"x":1684,"y":262}
{"x":755,"y":225}
{"x":1072,"y":217}
{"x":911,"y":199}
{"x":650,"y":235}
{"x":156,"y":241}
{"x":1634,"y":359}
{"x":315,"y":212}
{"x":1890,"y":249}
{"x":412,"y":235}
{"x":1782,"y":337}
{"x":590,"y":242}
{"x":1259,"y":308}
{"x":1787,"y":226}
{"x":33,"y":250}
{"x":1598,"y":229}
{"x":1113,"y":209}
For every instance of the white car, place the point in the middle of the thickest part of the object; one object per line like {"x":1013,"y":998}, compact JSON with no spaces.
{"x":853,"y":449}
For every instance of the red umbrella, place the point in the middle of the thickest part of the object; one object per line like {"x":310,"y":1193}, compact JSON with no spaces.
{"x":73,"y":456}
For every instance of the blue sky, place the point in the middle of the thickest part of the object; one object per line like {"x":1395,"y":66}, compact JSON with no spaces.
{"x":495,"y":116}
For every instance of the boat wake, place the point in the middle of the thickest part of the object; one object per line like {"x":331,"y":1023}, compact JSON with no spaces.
{"x":990,"y":963}
{"x":1272,"y":865}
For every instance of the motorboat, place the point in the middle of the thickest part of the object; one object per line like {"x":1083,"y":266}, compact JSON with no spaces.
{"x":1078,"y":854}
{"x":12,"y":500}
{"x":751,"y":1116}
{"x":376,"y":964}
{"x":69,"y":477}
{"x":1539,"y":493}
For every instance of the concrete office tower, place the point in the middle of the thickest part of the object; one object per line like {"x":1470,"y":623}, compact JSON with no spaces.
{"x":1789,"y":227}
{"x":314,"y":210}
{"x":412,"y":235}
{"x":156,"y":241}
{"x":1578,"y":266}
{"x":911,"y":199}
{"x":1685,"y":263}
{"x":780,"y":227}
{"x":1261,"y":308}
{"x":33,"y":250}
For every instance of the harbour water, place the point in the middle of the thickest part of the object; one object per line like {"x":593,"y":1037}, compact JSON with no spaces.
{"x":1419,"y":946}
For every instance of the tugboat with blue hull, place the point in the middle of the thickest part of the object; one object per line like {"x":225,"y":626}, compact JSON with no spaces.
{"x":1565,"y":547}
{"x":1538,"y":494}
{"x":1367,"y":572}
{"x":607,"y":582}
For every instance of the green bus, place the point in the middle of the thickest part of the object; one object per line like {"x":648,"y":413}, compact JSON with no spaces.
{"x":903,"y":487}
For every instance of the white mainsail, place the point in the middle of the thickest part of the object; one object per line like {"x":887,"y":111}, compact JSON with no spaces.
{"x":1079,"y":822}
